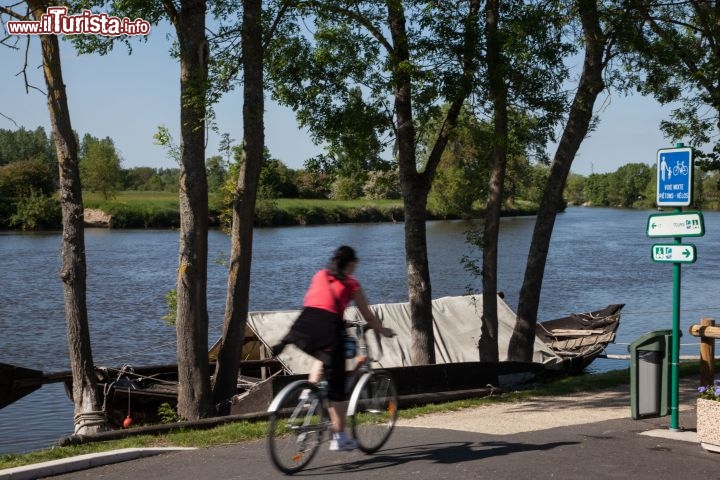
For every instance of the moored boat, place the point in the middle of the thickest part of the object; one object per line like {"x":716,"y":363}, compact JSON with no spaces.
{"x":565,"y":345}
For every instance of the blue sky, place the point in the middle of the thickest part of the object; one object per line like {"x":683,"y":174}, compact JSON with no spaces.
{"x":126,"y":97}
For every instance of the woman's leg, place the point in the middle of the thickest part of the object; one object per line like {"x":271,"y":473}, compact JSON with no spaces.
{"x":337,"y":411}
{"x":336,"y":388}
{"x":316,"y":371}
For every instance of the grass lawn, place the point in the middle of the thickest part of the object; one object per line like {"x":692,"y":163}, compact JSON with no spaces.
{"x":170,"y":200}
{"x":132,"y":198}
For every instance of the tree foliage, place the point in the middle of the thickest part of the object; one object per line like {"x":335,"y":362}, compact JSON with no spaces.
{"x":100,"y":168}
{"x":627,"y":185}
{"x":216,"y":172}
{"x":25,"y":177}
{"x":673,"y":53}
{"x":22,"y":144}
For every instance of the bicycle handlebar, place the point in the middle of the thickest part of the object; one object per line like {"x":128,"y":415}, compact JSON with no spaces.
{"x":361,"y":327}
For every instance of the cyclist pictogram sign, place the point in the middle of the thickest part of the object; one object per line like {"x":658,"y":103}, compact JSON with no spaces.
{"x":674,"y":177}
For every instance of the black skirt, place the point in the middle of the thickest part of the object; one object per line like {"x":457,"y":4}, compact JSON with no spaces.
{"x":319,"y":333}
{"x":315,"y":330}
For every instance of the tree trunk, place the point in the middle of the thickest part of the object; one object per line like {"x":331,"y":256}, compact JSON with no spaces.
{"x":416,"y":186}
{"x":194,"y":396}
{"x":88,"y":417}
{"x":236,"y":305}
{"x":422,"y":350}
{"x":415,"y":193}
{"x":590,"y":85}
{"x":488,"y":343}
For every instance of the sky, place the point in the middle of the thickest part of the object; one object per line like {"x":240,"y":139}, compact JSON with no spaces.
{"x":127,"y":97}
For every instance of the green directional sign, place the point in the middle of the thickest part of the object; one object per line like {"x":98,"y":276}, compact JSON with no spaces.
{"x":674,"y":253}
{"x":683,"y":224}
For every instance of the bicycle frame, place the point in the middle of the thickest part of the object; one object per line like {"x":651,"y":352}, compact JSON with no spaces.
{"x":305,"y":407}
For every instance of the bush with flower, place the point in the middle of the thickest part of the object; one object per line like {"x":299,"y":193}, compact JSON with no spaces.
{"x":710,"y":392}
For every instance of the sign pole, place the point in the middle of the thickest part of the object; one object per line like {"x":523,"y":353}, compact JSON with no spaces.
{"x":674,"y":189}
{"x":675,"y":365}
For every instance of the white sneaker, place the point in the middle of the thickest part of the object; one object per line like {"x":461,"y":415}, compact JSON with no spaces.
{"x":304,"y":394}
{"x":342,"y":444}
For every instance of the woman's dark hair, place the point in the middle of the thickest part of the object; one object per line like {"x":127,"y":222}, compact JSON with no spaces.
{"x":340,"y":259}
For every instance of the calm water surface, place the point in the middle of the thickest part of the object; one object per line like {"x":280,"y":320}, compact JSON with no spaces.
{"x":597,"y":257}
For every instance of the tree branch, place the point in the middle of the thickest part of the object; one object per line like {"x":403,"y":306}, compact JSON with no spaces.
{"x":357,"y":16}
{"x":284,"y":7}
{"x":10,"y":119}
{"x":469,"y":67}
{"x":8,"y":11}
{"x":171,"y":11}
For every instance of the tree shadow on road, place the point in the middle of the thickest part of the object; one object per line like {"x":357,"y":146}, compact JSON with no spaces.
{"x":438,"y":453}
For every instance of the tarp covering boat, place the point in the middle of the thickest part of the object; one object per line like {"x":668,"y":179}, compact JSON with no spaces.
{"x":456,"y":325}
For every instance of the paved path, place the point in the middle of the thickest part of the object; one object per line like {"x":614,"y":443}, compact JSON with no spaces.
{"x":542,"y":413}
{"x":582,"y":436}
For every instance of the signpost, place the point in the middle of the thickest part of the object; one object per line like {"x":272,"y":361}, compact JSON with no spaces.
{"x":683,"y":253}
{"x":685,"y":224}
{"x":674,"y":189}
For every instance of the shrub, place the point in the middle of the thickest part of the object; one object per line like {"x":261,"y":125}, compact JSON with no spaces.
{"x":19,"y":179}
{"x":168,"y":414}
{"x":38,"y":211}
{"x":452,"y":194}
{"x":382,"y":185}
{"x":345,"y":188}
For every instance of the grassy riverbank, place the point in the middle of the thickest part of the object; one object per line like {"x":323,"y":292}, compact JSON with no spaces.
{"x":243,"y":431}
{"x":136,"y":209}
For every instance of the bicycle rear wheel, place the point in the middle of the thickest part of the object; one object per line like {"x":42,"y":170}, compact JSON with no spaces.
{"x":373,"y":410}
{"x":296,"y":426}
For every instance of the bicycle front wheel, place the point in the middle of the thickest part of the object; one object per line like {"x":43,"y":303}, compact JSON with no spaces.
{"x":373,"y":410}
{"x":296,"y":426}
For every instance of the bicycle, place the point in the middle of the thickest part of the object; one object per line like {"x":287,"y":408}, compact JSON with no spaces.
{"x":299,"y":420}
{"x":680,"y":168}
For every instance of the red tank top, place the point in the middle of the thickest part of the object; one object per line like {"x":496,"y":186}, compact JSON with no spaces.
{"x":327,"y":292}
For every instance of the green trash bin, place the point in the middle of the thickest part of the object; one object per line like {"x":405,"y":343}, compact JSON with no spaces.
{"x":650,"y":374}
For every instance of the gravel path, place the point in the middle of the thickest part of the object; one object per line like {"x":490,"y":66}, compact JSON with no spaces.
{"x":542,"y":413}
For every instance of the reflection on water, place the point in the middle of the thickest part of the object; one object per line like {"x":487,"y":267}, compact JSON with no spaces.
{"x":597,"y":257}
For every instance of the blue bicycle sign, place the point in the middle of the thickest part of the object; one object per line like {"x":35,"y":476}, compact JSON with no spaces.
{"x":674,"y":177}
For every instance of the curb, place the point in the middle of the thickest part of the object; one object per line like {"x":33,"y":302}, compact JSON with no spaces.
{"x":81,"y":462}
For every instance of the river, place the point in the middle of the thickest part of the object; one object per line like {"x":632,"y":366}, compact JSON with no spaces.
{"x":598,"y":256}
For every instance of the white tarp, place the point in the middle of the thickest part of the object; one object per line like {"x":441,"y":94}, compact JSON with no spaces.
{"x":456,"y":322}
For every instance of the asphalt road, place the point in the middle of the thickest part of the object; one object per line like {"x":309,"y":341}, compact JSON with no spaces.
{"x":608,"y":449}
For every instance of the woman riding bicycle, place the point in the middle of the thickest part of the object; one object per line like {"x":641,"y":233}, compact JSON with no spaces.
{"x":319,"y":331}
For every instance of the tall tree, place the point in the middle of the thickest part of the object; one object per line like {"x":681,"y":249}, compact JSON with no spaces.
{"x":408,"y":57}
{"x":598,"y":52}
{"x":188,"y":19}
{"x":88,"y":416}
{"x":524,"y":70}
{"x":100,"y":169}
{"x":194,"y":394}
{"x":498,"y":95}
{"x":238,"y":286}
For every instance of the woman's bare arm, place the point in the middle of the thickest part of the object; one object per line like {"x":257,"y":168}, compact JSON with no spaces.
{"x":362,"y":304}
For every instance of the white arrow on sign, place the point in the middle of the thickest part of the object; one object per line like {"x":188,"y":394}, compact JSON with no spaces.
{"x":676,"y":253}
{"x":686,"y":224}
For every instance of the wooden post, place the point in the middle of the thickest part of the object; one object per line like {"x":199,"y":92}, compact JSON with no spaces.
{"x":707,"y":354}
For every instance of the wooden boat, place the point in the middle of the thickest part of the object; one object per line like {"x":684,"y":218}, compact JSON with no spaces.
{"x":580,"y":338}
{"x":577,"y":339}
{"x":138,"y":392}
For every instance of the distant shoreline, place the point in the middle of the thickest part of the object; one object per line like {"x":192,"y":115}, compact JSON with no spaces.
{"x":140,"y":210}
